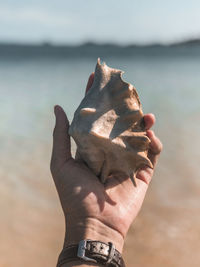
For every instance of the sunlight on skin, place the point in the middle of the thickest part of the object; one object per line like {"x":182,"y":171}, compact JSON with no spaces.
{"x":94,"y":210}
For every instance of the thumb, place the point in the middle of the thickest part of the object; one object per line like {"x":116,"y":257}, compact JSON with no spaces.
{"x":61,"y":152}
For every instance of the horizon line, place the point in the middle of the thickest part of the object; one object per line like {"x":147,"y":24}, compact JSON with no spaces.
{"x":96,"y":43}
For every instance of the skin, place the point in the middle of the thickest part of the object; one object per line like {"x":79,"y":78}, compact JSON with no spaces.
{"x":94,"y":210}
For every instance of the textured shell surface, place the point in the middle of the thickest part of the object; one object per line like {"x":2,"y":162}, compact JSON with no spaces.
{"x":108,"y":126}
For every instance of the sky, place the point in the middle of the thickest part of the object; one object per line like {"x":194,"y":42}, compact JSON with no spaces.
{"x":116,"y":21}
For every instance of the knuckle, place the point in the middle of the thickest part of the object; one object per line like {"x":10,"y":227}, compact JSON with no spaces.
{"x":156,"y":149}
{"x":157,"y":145}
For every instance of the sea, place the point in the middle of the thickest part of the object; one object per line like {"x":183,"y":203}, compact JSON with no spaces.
{"x":33,"y":80}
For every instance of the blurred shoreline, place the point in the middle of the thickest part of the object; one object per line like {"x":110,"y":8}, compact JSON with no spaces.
{"x":92,"y":49}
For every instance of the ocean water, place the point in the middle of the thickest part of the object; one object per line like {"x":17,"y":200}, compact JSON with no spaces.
{"x":167,"y":229}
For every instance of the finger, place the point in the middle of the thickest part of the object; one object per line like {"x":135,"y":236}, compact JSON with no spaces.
{"x":155,"y":147}
{"x":90,"y":82}
{"x":61,"y":139}
{"x":145,"y":174}
{"x":149,"y":120}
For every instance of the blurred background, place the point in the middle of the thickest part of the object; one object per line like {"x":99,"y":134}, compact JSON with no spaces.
{"x":47,"y":51}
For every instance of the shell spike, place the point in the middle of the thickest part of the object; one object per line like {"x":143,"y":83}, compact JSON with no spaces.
{"x":99,"y":62}
{"x":133,"y":178}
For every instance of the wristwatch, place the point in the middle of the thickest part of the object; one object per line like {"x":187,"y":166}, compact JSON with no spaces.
{"x":92,"y":251}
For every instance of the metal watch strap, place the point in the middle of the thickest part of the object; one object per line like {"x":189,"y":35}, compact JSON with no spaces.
{"x":92,"y":251}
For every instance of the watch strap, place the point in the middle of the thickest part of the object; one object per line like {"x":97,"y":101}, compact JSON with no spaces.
{"x":92,"y":251}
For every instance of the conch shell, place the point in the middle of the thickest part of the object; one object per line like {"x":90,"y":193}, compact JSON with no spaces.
{"x":108,"y":126}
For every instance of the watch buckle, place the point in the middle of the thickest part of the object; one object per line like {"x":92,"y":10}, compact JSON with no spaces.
{"x":81,"y":251}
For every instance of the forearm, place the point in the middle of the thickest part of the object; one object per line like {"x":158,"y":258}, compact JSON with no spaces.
{"x":92,"y":229}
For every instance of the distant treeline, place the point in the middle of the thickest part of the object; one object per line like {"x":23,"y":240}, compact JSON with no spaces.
{"x":48,"y":50}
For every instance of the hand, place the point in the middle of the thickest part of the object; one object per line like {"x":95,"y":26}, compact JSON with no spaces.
{"x":94,"y":210}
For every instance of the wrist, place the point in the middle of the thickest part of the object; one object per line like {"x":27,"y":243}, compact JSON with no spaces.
{"x":91,"y":228}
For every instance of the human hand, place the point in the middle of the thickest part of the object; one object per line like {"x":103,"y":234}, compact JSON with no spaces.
{"x":94,"y":210}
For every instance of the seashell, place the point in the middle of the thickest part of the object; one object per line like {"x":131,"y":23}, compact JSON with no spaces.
{"x":108,"y":126}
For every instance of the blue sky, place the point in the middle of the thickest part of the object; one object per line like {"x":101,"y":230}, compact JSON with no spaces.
{"x":76,"y":21}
